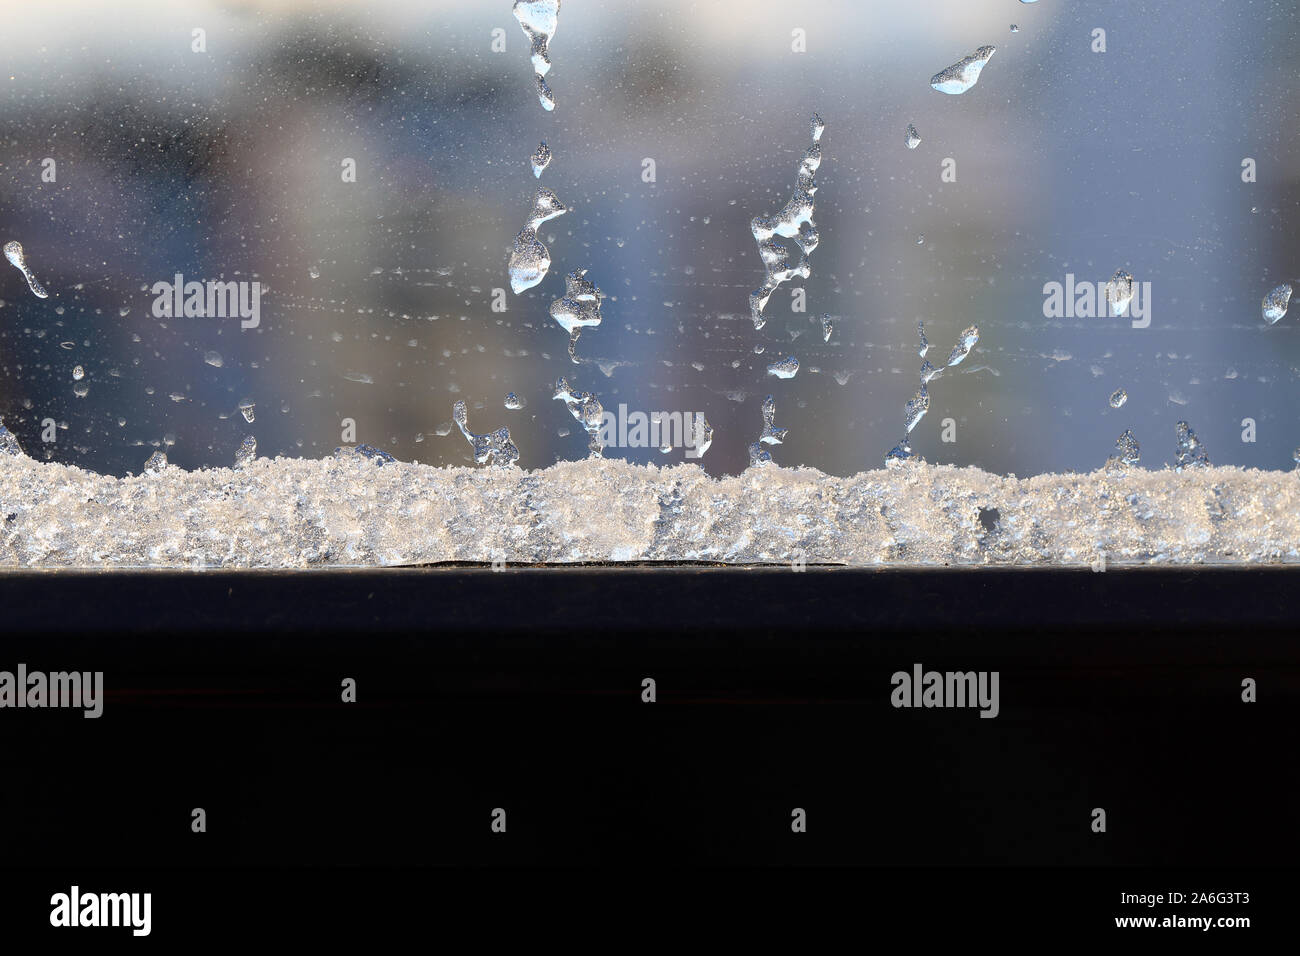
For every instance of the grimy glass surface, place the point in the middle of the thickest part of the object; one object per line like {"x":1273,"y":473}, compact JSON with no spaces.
{"x":369,"y":167}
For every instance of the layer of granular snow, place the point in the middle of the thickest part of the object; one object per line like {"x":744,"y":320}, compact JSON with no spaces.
{"x":291,"y":513}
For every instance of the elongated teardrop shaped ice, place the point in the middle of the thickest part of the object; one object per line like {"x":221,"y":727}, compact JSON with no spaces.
{"x":14,"y":253}
{"x":540,"y":159}
{"x":963,"y":74}
{"x":539,"y":20}
{"x":1276,"y":303}
{"x":530,"y":260}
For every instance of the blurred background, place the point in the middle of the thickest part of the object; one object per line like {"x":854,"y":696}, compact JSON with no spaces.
{"x":377,"y":295}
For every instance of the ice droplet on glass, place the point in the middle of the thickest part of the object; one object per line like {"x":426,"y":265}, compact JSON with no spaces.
{"x":703,"y":436}
{"x":578,"y":308}
{"x":1014,"y":28}
{"x":916,"y":408}
{"x":1276,"y":303}
{"x":214,"y":359}
{"x":14,"y":253}
{"x":898,"y":454}
{"x":78,"y":374}
{"x":541,"y":158}
{"x":530,"y":259}
{"x":1127,"y":450}
{"x":794,"y":222}
{"x":586,"y":409}
{"x":1191,"y":453}
{"x":969,"y":336}
{"x":772,"y":434}
{"x":912,"y":139}
{"x":493,"y":448}
{"x":514,"y":402}
{"x":246,"y":452}
{"x":828,"y":327}
{"x":786,"y":368}
{"x":539,"y":20}
{"x":1119,"y":292}
{"x":154,"y":463}
{"x":9,"y":441}
{"x":963,"y":74}
{"x":925,"y":343}
{"x":247,"y":409}
{"x":314,"y":272}
{"x":1118,"y":398}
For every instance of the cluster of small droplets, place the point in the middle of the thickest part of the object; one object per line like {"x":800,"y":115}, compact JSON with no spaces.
{"x":493,"y":448}
{"x":795,"y":222}
{"x":587,"y":410}
{"x":772,"y":434}
{"x":578,"y":308}
{"x":1191,"y":453}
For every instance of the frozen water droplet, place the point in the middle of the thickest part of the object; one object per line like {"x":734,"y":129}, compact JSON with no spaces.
{"x":1127,"y":450}
{"x":969,"y":336}
{"x":495,"y":447}
{"x":1276,"y":303}
{"x":529,"y":261}
{"x":578,"y":308}
{"x":920,"y":240}
{"x":314,"y":272}
{"x":1118,"y":398}
{"x":772,"y":434}
{"x":14,"y":253}
{"x":9,"y":441}
{"x":529,"y":258}
{"x":928,"y":371}
{"x":541,"y":158}
{"x":539,"y":20}
{"x":514,"y":402}
{"x":898,"y":454}
{"x":793,"y":222}
{"x":1295,"y":455}
{"x":916,"y":408}
{"x":586,"y":409}
{"x":81,"y":390}
{"x":155,"y":463}
{"x":912,"y":138}
{"x":1119,"y":292}
{"x":375,"y":455}
{"x":246,"y":452}
{"x":828,"y":327}
{"x":1014,"y":28}
{"x":214,"y":359}
{"x":925,"y":343}
{"x":964,"y":74}
{"x":702,"y":436}
{"x":786,"y":368}
{"x":78,"y":374}
{"x":247,"y":409}
{"x":1191,"y":453}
